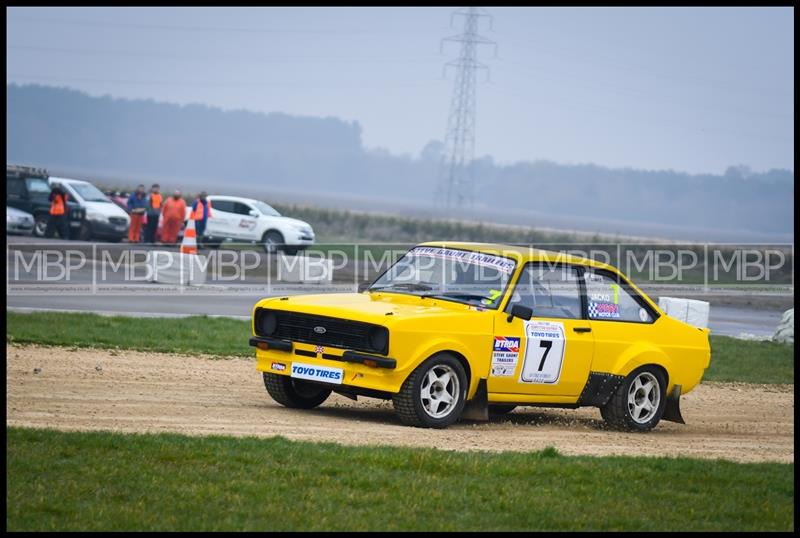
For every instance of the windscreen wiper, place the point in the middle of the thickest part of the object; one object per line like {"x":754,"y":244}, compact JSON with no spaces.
{"x":410,"y":286}
{"x":466,"y":296}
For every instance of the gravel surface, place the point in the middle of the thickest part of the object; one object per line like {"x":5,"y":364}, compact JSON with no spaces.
{"x":127,"y":391}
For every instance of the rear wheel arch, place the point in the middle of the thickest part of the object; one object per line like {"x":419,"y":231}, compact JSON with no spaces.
{"x":664,"y":372}
{"x":640,"y":355}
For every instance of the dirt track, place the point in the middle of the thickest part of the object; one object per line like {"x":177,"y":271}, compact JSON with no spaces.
{"x":151,"y":392}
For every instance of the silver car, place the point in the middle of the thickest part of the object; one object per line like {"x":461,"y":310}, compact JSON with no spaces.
{"x":18,"y":222}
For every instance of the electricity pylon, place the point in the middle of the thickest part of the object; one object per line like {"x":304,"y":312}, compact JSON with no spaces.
{"x":456,"y":180}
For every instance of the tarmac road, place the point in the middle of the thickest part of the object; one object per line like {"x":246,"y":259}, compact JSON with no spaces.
{"x":236,"y":299}
{"x":724,"y":320}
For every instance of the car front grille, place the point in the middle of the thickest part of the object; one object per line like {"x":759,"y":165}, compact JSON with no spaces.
{"x":340,"y":333}
{"x":117,"y":221}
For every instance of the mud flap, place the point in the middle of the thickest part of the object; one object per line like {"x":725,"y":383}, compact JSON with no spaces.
{"x":478,"y":407}
{"x":672,"y":411}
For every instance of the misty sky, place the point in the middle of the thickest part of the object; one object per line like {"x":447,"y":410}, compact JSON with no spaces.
{"x":687,"y":89}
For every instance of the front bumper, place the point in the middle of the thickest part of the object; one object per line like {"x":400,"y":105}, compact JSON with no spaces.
{"x":360,"y":370}
{"x":300,"y":240}
{"x":266,"y":343}
{"x":22,"y":228}
{"x":102,"y":228}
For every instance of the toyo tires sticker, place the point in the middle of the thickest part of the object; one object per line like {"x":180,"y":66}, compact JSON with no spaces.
{"x":317,"y":373}
{"x":544,"y":352}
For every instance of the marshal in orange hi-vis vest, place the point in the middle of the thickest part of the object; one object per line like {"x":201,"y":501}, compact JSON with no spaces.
{"x":200,"y":211}
{"x":58,"y":205}
{"x":155,"y":201}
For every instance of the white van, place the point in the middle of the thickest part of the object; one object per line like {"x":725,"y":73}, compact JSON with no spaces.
{"x":104,"y":219}
{"x":245,"y":219}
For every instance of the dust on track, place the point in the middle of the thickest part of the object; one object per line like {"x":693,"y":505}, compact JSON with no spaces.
{"x":127,"y":391}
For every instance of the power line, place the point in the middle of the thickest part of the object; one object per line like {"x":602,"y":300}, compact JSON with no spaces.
{"x":456,"y":178}
{"x":338,"y":32}
{"x":172,"y":55}
{"x":204,"y":83}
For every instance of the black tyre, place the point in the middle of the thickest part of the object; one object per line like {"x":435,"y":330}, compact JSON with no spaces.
{"x":295,"y":393}
{"x":501,"y":409}
{"x":273,"y":241}
{"x":434,"y":394}
{"x":85,"y":232}
{"x":639,"y":401}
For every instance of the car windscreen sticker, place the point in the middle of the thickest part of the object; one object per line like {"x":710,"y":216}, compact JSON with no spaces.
{"x":544,"y":352}
{"x":478,"y":258}
{"x":504,"y":356}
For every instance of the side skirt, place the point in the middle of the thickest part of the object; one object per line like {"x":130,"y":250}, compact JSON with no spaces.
{"x":599,"y":388}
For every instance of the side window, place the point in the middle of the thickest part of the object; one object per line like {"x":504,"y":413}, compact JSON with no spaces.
{"x":552,"y":292}
{"x":610,"y":299}
{"x":222,"y":205}
{"x":241,"y":209}
{"x":16,"y":187}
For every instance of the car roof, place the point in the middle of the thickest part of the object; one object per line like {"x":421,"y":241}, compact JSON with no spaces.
{"x":521,"y":253}
{"x":66,"y":180}
{"x":232,"y":198}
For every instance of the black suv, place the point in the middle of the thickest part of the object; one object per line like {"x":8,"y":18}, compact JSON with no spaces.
{"x":28,"y":189}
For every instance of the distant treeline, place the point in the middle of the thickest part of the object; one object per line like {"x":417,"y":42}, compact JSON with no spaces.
{"x":48,"y":125}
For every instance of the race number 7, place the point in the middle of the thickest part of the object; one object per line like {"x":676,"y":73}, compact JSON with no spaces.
{"x":544,"y":352}
{"x":547,"y":345}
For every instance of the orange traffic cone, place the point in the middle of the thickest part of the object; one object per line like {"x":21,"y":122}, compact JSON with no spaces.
{"x":189,"y":243}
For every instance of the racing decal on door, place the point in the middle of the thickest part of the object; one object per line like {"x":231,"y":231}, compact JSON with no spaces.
{"x":505,"y":353}
{"x":544,"y":352}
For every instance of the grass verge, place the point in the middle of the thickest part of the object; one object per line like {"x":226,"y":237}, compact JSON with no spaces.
{"x":104,"y":481}
{"x":731,"y":359}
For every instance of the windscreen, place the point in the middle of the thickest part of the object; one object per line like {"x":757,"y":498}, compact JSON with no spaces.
{"x":37,"y":185}
{"x":266,"y":209}
{"x":89,"y":192}
{"x":463,"y":276}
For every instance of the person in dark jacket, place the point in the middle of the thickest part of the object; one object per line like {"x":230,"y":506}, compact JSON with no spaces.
{"x":201,"y":212}
{"x":153,"y":206}
{"x":136,"y":207}
{"x":59,"y":213}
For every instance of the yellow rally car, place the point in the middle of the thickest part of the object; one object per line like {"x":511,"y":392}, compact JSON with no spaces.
{"x":457,"y":330}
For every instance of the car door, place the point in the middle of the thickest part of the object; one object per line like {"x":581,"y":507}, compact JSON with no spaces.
{"x":220,"y":222}
{"x":16,"y":194}
{"x":244,"y":222}
{"x":619,"y":316}
{"x":551,"y":353}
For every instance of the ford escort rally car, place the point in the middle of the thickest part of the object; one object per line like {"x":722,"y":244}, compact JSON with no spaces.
{"x":457,"y":329}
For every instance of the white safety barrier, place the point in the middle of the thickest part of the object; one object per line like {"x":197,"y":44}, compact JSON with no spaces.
{"x":689,"y":311}
{"x":168,"y":267}
{"x":304,"y":269}
{"x":785,"y":331}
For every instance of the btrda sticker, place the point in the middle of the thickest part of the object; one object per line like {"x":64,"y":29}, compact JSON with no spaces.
{"x":505,"y":354}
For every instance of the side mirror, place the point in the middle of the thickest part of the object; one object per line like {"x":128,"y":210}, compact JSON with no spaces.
{"x":253,"y":213}
{"x":362,"y":286}
{"x":521,"y":312}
